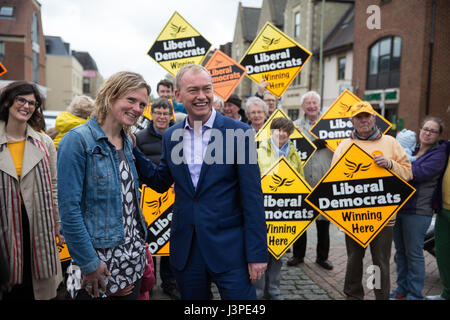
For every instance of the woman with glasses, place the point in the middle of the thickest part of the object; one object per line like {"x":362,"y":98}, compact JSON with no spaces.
{"x":414,"y":217}
{"x":29,"y":217}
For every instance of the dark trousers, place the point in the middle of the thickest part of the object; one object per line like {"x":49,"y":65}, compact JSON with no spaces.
{"x":323,"y":242}
{"x":23,"y":291}
{"x":380,"y":249}
{"x":194,"y":281}
{"x":165,"y":272}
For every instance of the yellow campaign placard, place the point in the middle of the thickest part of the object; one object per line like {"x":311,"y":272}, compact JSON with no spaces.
{"x":2,"y":69}
{"x":287,"y":215}
{"x":303,"y":145}
{"x":335,"y":125}
{"x":178,"y":44}
{"x":226,"y":74}
{"x":63,"y":252}
{"x":276,"y":57}
{"x":359,"y":196}
{"x":157,"y":210}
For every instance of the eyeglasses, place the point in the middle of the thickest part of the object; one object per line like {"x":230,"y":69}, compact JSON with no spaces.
{"x":431,"y":131}
{"x":160,"y":114}
{"x":23,"y":101}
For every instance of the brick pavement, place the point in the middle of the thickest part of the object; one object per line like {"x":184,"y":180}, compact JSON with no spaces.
{"x":308,"y":281}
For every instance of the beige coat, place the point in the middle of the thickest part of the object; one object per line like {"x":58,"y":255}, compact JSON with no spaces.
{"x":45,"y":288}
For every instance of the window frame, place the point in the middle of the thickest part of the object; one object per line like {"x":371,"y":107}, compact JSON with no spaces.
{"x":3,"y":15}
{"x":339,"y":70}
{"x":297,"y":25}
{"x":388,"y":77}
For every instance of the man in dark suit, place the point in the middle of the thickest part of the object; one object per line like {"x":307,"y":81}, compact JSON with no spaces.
{"x":218,"y":230}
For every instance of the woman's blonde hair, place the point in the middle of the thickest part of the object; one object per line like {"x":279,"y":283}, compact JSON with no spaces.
{"x":114,"y":88}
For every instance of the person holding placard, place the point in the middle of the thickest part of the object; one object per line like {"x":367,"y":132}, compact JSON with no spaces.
{"x":269,"y":152}
{"x":314,"y":170}
{"x":389,"y":154}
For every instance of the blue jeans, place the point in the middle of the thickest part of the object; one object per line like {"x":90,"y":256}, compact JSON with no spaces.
{"x":409,"y":234}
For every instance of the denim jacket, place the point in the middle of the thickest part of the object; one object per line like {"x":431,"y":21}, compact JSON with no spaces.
{"x":89,"y":193}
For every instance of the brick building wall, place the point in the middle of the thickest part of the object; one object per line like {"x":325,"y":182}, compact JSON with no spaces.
{"x":15,"y":32}
{"x":411,"y":20}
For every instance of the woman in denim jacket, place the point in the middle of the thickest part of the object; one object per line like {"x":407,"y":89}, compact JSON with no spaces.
{"x":99,"y":194}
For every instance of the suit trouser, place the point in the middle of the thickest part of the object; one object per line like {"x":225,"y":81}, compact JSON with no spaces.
{"x":194,"y":281}
{"x":323,"y":242}
{"x":380,"y":249}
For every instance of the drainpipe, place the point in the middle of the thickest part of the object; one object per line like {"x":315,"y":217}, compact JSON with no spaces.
{"x":430,"y":58}
{"x":320,"y":87}
{"x":312,"y":45}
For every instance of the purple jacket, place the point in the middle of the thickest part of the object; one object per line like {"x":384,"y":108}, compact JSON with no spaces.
{"x":427,"y":171}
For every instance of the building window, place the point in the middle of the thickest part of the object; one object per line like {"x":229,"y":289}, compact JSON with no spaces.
{"x":35,"y":29}
{"x":86,"y":85}
{"x":341,"y":68}
{"x":384,"y":63}
{"x":35,"y":47}
{"x":6,"y":11}
{"x":2,"y":52}
{"x":35,"y":67}
{"x":297,"y":24}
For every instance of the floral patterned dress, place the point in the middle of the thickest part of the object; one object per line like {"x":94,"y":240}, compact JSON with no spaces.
{"x":125,"y":262}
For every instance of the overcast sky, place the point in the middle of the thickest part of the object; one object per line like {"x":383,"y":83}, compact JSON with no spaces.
{"x":119,"y":33}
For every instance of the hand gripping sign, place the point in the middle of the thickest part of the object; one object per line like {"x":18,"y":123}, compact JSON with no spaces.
{"x":63,"y":252}
{"x":334,"y":125}
{"x":275,"y":57}
{"x":157,"y":210}
{"x":287,"y":215}
{"x":179,"y":44}
{"x":304,"y":146}
{"x":226,"y":74}
{"x":359,"y":196}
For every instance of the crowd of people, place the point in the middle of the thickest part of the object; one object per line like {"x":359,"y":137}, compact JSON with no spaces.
{"x":78,"y":184}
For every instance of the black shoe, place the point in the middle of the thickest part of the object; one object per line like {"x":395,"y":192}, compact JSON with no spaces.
{"x":294,"y":261}
{"x":326,"y":264}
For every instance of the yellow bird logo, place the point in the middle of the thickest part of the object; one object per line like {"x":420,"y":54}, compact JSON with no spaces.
{"x":176,"y":29}
{"x":269,"y":42}
{"x":280,"y":182}
{"x":354,"y":168}
{"x":157,"y":203}
{"x":345,"y":108}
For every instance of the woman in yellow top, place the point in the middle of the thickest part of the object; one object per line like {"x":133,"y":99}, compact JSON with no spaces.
{"x":269,"y":152}
{"x":29,"y":217}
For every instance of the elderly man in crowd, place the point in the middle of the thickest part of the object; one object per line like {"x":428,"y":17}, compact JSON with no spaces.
{"x":314,"y":170}
{"x":388,"y":153}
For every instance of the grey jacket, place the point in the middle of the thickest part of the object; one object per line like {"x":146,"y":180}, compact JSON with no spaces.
{"x":320,"y":161}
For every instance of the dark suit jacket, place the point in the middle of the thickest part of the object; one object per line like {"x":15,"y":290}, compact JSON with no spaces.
{"x":225,"y":211}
